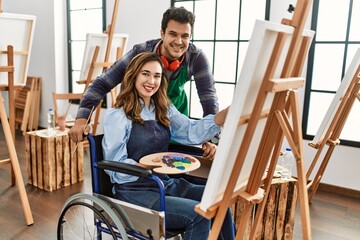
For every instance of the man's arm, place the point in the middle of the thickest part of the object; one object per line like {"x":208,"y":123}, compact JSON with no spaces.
{"x":96,"y":92}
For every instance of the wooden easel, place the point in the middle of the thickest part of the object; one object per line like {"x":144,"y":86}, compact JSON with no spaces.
{"x":11,"y":97}
{"x":277,"y":126}
{"x":105,"y":64}
{"x":331,"y":137}
{"x":9,"y":137}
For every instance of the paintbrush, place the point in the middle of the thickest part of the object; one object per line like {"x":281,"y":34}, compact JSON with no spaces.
{"x":86,"y":123}
{"x":67,"y":110}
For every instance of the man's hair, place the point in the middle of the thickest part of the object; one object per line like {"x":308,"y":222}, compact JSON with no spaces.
{"x":178,"y":14}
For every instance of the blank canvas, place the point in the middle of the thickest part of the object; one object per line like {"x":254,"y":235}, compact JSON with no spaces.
{"x":252,"y":73}
{"x":101,"y":40}
{"x":16,"y":30}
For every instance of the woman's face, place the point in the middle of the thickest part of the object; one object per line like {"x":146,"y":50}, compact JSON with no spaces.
{"x":148,"y":80}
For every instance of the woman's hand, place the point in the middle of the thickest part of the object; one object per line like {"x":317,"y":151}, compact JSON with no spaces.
{"x":221,"y":116}
{"x":209,"y":150}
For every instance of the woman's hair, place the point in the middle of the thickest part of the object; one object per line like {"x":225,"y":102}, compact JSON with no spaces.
{"x":129,"y":97}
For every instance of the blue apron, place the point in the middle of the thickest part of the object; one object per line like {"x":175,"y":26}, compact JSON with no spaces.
{"x":150,"y":137}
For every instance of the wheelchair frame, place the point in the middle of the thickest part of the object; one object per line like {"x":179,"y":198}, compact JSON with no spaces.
{"x":111,"y":215}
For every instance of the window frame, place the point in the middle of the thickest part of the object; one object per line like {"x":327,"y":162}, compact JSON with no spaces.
{"x":310,"y":70}
{"x":70,"y":40}
{"x":214,"y":41}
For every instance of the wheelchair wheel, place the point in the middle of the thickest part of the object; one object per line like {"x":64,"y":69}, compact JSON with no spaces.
{"x":121,"y":214}
{"x":85,"y":217}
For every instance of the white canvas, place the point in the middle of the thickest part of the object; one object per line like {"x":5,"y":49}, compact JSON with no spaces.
{"x":256,"y":61}
{"x":16,"y":30}
{"x":93,"y":40}
{"x":333,"y":108}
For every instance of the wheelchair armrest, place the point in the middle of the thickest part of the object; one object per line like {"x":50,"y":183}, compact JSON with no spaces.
{"x":124,"y":168}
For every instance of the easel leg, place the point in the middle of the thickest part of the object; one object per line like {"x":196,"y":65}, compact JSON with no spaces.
{"x":15,"y":164}
{"x":267,"y":185}
{"x":11,"y":99}
{"x":303,"y":200}
{"x":320,"y":173}
{"x":245,"y":217}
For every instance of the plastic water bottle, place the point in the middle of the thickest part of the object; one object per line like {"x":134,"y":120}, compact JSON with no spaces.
{"x":288,"y":161}
{"x":51,"y":120}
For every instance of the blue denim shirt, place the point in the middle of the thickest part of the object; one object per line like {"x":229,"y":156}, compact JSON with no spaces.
{"x":117,"y":129}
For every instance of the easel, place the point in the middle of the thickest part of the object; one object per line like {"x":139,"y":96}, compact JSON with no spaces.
{"x":105,"y":64}
{"x":9,"y":137}
{"x":277,"y":126}
{"x":11,"y":98}
{"x":331,"y":137}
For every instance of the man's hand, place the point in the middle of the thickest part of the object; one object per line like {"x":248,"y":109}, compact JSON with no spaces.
{"x":77,"y":132}
{"x":209,"y":150}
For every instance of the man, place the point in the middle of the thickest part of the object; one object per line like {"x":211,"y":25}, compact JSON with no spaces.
{"x":183,"y":61}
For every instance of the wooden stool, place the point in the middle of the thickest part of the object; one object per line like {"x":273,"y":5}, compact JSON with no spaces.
{"x":279,"y":214}
{"x":51,"y":162}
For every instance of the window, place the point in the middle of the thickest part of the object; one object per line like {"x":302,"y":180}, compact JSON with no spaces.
{"x":83,"y":16}
{"x":222,"y":30}
{"x":337,"y":38}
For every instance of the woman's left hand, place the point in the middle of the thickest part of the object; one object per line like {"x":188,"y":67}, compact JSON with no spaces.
{"x":209,"y":150}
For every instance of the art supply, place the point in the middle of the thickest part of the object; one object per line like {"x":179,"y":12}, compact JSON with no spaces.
{"x":67,"y":110}
{"x":170,"y":162}
{"x":61,"y":121}
{"x":86,"y":123}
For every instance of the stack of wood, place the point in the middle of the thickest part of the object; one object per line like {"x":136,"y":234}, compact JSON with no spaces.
{"x":27,"y":105}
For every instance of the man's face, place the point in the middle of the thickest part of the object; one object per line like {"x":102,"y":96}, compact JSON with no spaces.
{"x":175,"y":39}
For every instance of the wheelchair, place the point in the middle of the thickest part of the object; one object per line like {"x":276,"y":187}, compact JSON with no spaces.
{"x":86,"y":216}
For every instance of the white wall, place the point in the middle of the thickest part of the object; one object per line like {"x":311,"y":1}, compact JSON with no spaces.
{"x":42,"y":59}
{"x":48,"y":60}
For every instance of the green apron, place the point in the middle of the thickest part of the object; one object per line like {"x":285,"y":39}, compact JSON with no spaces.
{"x":176,"y":92}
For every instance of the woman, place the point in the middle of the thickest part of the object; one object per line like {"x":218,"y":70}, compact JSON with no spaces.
{"x":143,"y":122}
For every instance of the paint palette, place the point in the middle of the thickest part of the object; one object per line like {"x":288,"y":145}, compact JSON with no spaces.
{"x":170,"y":162}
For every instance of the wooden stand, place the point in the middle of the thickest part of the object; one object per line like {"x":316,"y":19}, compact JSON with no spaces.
{"x":277,"y":126}
{"x":15,"y":163}
{"x":105,"y":65}
{"x":11,"y":90}
{"x":27,"y":104}
{"x":50,"y":164}
{"x":331,"y":137}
